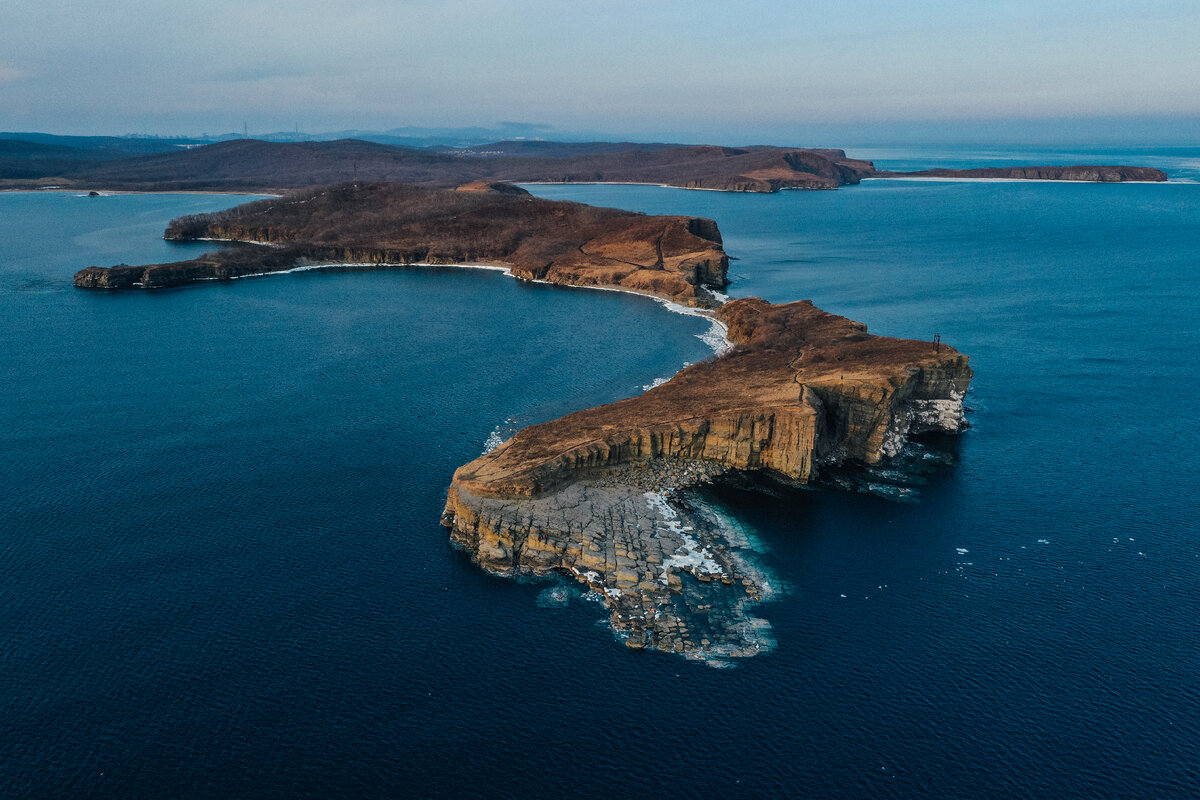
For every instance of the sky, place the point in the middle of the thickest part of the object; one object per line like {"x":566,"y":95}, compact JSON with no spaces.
{"x":752,"y":71}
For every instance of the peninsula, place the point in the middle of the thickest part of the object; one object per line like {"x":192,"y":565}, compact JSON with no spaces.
{"x":602,"y":495}
{"x":597,"y":494}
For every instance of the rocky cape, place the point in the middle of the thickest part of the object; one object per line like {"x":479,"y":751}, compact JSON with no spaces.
{"x":600,"y":495}
{"x":389,"y":224}
{"x":1080,"y":172}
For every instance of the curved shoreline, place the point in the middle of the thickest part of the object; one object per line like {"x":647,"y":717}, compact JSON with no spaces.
{"x":717,"y":329}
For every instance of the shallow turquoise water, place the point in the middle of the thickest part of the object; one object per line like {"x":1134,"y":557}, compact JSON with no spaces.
{"x":224,"y":572}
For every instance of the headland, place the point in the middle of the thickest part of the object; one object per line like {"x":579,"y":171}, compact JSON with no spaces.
{"x":602,"y":495}
{"x":389,"y":224}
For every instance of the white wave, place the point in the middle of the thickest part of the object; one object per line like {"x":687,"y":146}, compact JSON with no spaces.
{"x":499,"y":435}
{"x":717,"y":335}
{"x":494,"y":440}
{"x":654,"y":384}
{"x":689,"y":555}
{"x":239,"y":241}
{"x":279,"y":272}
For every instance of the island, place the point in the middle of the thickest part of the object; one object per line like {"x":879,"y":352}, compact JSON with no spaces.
{"x":1090,"y":173}
{"x":601,"y":496}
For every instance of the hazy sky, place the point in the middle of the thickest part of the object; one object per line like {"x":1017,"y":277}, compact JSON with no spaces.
{"x":652,"y":68}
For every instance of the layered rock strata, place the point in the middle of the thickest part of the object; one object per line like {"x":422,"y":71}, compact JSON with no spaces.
{"x":595,"y":494}
{"x":388,"y":224}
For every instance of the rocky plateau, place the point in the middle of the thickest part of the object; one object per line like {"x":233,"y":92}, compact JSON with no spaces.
{"x":391,"y":225}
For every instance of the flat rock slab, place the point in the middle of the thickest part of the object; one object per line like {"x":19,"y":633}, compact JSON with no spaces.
{"x":676,"y":575}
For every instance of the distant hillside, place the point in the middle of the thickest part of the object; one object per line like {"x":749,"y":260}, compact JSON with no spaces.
{"x":107,"y":146}
{"x":250,"y":165}
{"x":540,"y":149}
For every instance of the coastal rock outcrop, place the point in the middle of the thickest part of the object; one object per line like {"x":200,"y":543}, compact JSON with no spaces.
{"x":388,"y":224}
{"x":597,"y":494}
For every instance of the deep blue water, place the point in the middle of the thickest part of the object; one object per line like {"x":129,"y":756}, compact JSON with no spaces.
{"x":223,"y":572}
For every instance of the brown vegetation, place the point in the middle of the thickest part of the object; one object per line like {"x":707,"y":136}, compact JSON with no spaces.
{"x":801,"y":386}
{"x":248,"y":165}
{"x":391,"y":224}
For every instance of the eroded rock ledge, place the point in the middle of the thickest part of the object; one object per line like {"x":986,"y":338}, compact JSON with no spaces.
{"x":390,"y":224}
{"x":600,"y":494}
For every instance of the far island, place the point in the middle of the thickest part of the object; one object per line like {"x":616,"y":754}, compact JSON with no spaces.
{"x":1089,"y":173}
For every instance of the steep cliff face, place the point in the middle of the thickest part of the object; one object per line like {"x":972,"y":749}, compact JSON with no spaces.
{"x":802,"y":390}
{"x":392,"y":224}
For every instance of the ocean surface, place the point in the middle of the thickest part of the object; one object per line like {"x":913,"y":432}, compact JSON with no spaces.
{"x":222,"y":572}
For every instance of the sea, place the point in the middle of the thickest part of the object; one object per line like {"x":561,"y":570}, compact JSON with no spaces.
{"x":222,"y":572}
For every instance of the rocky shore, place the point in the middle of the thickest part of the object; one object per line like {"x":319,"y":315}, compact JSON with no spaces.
{"x":602,"y":495}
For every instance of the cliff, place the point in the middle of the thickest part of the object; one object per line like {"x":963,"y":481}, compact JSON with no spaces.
{"x":387,"y":224}
{"x":589,"y":494}
{"x":1080,"y":172}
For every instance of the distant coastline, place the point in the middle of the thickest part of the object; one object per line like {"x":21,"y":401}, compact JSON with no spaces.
{"x":259,"y":167}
